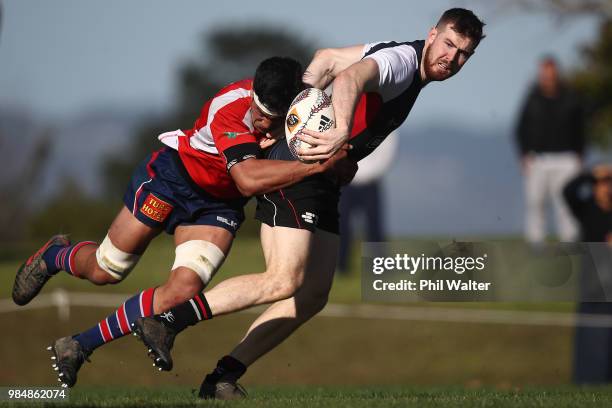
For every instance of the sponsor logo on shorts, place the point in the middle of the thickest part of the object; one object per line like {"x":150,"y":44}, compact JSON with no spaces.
{"x":224,"y":220}
{"x":156,"y":209}
{"x":310,"y":217}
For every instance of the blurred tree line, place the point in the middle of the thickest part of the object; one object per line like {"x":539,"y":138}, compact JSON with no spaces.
{"x":594,"y":80}
{"x":224,"y":55}
{"x":593,"y":77}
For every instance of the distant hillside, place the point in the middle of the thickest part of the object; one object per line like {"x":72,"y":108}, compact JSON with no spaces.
{"x":453,"y":180}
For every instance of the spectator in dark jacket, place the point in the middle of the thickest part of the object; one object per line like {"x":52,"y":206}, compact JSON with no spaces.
{"x":550,"y":139}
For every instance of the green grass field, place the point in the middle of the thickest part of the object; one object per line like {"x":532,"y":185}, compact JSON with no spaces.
{"x":245,"y":257}
{"x":331,"y":361}
{"x":153,"y":269}
{"x":351,"y":397}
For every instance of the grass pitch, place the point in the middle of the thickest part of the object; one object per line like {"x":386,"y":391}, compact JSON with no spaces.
{"x":329,"y":362}
{"x":344,"y":397}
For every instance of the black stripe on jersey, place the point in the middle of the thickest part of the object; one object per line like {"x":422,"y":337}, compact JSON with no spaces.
{"x":241,"y":152}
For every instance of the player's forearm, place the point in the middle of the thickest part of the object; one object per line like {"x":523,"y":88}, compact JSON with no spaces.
{"x":264,"y":176}
{"x":320,"y":71}
{"x":347,"y":89}
{"x":327,"y":64}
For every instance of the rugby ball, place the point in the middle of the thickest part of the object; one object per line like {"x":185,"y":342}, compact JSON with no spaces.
{"x":311,"y":109}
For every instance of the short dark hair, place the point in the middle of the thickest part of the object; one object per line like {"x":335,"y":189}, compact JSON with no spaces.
{"x":277,"y":81}
{"x":464,"y":22}
{"x":548,"y":59}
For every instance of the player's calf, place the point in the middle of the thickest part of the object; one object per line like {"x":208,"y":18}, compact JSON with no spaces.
{"x":309,"y":302}
{"x":182,"y":285}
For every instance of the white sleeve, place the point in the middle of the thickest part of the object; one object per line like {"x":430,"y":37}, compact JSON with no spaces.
{"x":396,"y":66}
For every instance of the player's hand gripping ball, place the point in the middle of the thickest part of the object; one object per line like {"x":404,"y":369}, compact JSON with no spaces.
{"x":311,"y":109}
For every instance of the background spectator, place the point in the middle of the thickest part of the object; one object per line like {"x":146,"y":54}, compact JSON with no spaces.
{"x":589,"y":197}
{"x":550,"y":138}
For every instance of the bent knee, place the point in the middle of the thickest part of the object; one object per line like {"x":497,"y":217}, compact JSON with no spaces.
{"x":101,"y":277}
{"x":116,"y":263}
{"x":312,"y":302}
{"x":283,"y":285}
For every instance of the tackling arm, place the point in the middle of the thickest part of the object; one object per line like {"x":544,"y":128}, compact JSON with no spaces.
{"x":255,"y":176}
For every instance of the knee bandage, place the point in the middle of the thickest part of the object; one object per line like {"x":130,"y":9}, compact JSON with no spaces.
{"x":114,"y":261}
{"x":202,"y":257}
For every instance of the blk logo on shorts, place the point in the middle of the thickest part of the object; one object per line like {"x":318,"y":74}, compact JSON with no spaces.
{"x":155,"y":208}
{"x":224,"y":220}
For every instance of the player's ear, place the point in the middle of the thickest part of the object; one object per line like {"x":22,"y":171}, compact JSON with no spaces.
{"x":433,"y":33}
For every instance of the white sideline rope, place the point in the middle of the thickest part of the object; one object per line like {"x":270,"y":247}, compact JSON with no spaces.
{"x":63,"y":301}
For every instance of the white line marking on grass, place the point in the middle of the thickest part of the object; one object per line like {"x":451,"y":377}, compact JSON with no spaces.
{"x":64,"y":300}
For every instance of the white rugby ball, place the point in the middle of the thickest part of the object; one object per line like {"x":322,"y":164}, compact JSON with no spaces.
{"x":311,"y":109}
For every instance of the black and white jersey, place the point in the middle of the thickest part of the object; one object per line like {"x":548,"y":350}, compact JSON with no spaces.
{"x":313,"y":202}
{"x":381,"y":112}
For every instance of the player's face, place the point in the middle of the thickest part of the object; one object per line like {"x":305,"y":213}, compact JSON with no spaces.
{"x":603,"y":193}
{"x":265,"y":123}
{"x":548,"y":77}
{"x":447,"y":52}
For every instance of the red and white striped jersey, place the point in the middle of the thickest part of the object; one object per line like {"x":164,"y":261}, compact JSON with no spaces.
{"x":224,"y":122}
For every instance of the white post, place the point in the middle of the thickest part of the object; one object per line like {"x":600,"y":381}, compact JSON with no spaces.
{"x":62,"y":301}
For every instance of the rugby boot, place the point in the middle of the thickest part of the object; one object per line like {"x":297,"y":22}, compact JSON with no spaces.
{"x":33,"y":274}
{"x":68,"y":357}
{"x":222,"y":387}
{"x":158,"y":338}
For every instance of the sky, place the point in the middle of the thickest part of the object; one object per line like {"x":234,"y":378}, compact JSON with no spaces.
{"x":61,"y":58}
